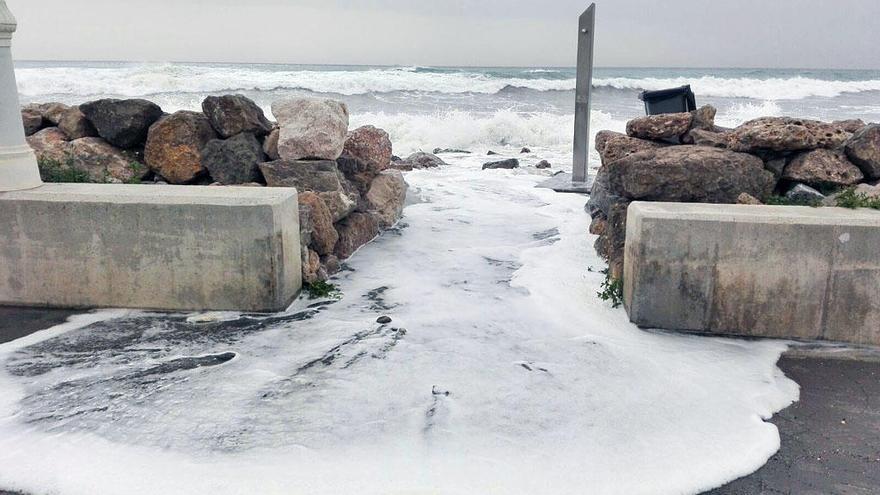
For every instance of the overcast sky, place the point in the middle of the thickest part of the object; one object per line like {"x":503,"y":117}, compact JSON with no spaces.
{"x":653,"y":33}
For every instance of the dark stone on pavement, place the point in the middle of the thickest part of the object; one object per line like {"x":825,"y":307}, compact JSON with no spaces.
{"x":383,"y":320}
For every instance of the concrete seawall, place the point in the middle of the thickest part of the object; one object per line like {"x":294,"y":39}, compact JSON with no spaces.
{"x":769,"y":271}
{"x":156,"y":247}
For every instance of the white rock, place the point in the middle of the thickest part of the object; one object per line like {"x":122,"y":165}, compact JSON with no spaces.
{"x":311,"y":128}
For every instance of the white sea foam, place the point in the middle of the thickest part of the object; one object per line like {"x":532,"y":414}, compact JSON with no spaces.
{"x":152,"y":79}
{"x":793,"y":88}
{"x":738,"y":112}
{"x":512,"y":378}
{"x":480,"y":131}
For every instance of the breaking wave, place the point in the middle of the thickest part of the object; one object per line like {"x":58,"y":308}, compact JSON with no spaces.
{"x":152,"y":79}
{"x":479,"y":132}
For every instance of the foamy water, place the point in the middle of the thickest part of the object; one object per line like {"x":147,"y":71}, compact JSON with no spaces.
{"x":501,"y":372}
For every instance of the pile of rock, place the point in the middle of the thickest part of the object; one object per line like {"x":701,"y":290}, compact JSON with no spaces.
{"x":685,"y":157}
{"x":349,"y":189}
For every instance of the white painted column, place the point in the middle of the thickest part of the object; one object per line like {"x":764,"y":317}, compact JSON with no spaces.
{"x":18,"y":164}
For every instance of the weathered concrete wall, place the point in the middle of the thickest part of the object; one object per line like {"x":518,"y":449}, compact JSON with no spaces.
{"x":156,"y":247}
{"x":770,"y":271}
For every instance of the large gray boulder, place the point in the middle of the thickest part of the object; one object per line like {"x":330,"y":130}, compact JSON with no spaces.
{"x":174,"y":146}
{"x":235,"y":160}
{"x":663,"y":126}
{"x":75,"y":124}
{"x":690,"y":174}
{"x":103,"y":162}
{"x":122,"y":123}
{"x":864,"y":150}
{"x":822,"y":167}
{"x":311,"y":128}
{"x":386,"y":197}
{"x":234,"y":114}
{"x":321,"y":177}
{"x":613,"y":146}
{"x":784,"y":134}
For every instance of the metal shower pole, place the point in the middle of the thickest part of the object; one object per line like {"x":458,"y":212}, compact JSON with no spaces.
{"x":586,"y":37}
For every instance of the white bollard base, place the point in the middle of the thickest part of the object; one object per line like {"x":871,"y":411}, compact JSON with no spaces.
{"x":18,"y":169}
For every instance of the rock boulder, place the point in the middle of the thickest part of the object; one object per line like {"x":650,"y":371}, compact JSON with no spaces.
{"x":370,"y":146}
{"x":864,"y":150}
{"x":32,"y":120}
{"x":234,"y":114}
{"x":103,"y":162}
{"x":781,"y":134}
{"x":386,"y":197}
{"x":701,"y":137}
{"x":355,"y":231}
{"x":823,"y":168}
{"x":602,"y":199}
{"x":615,"y":146}
{"x":690,"y":174}
{"x":663,"y":126}
{"x":508,"y":164}
{"x":419,"y":160}
{"x":50,"y":144}
{"x":75,"y":124}
{"x":321,"y":177}
{"x":311,"y":128}
{"x":235,"y":160}
{"x":122,"y":123}
{"x":174,"y":146}
{"x":323,"y":233}
{"x":270,"y":145}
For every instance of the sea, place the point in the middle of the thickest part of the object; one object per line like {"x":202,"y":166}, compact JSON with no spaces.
{"x":470,"y":108}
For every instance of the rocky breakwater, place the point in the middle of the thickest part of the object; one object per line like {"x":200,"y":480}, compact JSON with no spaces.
{"x":685,"y":157}
{"x":349,"y":190}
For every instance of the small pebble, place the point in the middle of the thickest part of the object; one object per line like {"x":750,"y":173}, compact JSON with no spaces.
{"x":383,"y":320}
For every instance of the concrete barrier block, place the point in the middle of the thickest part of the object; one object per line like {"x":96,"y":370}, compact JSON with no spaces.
{"x":788,"y":272}
{"x":147,"y":246}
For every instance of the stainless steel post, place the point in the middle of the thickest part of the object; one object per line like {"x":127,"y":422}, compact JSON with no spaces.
{"x":586,"y":36}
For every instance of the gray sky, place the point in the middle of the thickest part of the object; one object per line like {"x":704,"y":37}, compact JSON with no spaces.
{"x":671,"y":33}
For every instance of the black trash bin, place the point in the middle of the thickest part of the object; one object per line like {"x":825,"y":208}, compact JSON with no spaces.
{"x":673,"y":100}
